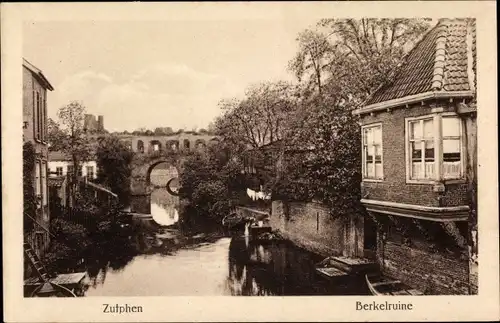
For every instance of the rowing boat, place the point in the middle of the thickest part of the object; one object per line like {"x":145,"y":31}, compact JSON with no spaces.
{"x":386,"y":286}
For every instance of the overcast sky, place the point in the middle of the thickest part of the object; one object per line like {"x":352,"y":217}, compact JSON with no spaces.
{"x":149,"y":74}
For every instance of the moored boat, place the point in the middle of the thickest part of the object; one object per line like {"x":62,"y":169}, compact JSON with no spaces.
{"x":49,"y":289}
{"x":386,"y":286}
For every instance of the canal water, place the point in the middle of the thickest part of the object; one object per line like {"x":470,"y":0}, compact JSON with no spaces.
{"x":195,"y":257}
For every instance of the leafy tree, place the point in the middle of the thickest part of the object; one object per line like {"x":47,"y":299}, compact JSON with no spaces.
{"x":211,"y":181}
{"x":258,"y":119}
{"x":114,"y":162}
{"x":314,"y":54}
{"x":69,"y":136}
{"x":55,"y":135}
{"x":371,"y":49}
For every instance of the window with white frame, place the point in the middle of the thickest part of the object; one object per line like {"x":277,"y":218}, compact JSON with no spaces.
{"x":372,"y":152}
{"x":421,"y":144}
{"x":434,"y":148}
{"x":59,"y":171}
{"x":452,"y":147}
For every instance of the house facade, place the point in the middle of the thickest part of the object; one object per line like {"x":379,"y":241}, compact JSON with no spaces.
{"x":419,"y":163}
{"x":35,"y":87}
{"x":60,"y":165}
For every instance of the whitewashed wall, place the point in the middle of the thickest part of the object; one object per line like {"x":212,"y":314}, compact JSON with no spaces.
{"x":64,"y":164}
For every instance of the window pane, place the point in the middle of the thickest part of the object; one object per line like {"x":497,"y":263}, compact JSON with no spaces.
{"x":451,"y":170}
{"x":451,"y":126}
{"x":429,"y":170}
{"x":377,"y":135}
{"x":429,"y":150}
{"x":378,"y":154}
{"x":451,"y":158}
{"x":428,"y":129}
{"x":37,"y":179}
{"x":44,"y":183}
{"x":378,"y":170}
{"x":415,"y":130}
{"x":415,"y":170}
{"x":451,"y":147}
{"x":368,"y":136}
{"x":416,"y":151}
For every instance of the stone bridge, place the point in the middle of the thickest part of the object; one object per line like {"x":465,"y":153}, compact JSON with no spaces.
{"x":151,"y":151}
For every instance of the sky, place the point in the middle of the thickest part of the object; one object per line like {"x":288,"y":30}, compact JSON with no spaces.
{"x":158,"y":73}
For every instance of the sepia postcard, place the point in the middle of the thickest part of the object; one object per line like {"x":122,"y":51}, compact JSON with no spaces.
{"x":250,"y":161}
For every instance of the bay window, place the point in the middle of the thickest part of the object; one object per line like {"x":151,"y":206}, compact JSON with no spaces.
{"x":372,"y":152}
{"x":434,"y":148}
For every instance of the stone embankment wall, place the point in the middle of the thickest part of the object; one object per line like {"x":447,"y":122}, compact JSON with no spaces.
{"x":312,"y":227}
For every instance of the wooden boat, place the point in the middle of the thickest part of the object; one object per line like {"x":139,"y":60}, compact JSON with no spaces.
{"x":64,"y":285}
{"x":49,"y":289}
{"x":386,"y":286}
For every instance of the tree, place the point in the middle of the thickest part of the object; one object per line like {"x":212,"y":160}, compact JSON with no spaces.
{"x":260,"y":118}
{"x":370,"y":49}
{"x":114,"y":162}
{"x":313,"y":56}
{"x":55,"y":136}
{"x":72,"y":139}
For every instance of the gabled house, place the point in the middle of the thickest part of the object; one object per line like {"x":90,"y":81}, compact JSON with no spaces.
{"x":61,"y":164}
{"x":419,"y":162}
{"x":35,"y":87}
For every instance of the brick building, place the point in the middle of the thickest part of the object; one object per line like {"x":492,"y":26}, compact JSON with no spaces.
{"x":35,"y":86}
{"x":419,"y":163}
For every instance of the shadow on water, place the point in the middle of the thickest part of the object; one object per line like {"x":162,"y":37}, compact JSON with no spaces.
{"x":280,"y":269}
{"x":196,"y":257}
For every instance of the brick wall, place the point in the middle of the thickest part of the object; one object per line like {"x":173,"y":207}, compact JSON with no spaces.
{"x":310,"y":226}
{"x":432,"y":273}
{"x":394,"y":187}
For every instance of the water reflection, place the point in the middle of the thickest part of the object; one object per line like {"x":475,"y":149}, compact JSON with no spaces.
{"x":197,"y":258}
{"x":164,"y":207}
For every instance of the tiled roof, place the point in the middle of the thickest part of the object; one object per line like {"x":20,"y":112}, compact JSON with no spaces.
{"x":58,"y":156}
{"x":439,"y":62}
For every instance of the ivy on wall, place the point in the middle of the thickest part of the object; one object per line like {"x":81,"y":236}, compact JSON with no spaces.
{"x":29,"y":198}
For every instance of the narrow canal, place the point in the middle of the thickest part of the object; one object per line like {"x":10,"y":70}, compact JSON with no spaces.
{"x":196,"y":258}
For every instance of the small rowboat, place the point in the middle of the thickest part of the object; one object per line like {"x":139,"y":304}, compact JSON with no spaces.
{"x":49,"y":289}
{"x":385,"y":286}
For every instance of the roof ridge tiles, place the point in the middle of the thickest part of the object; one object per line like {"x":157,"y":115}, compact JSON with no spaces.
{"x":440,"y":61}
